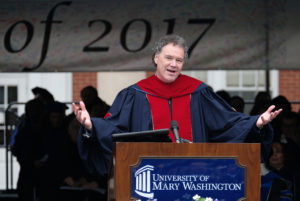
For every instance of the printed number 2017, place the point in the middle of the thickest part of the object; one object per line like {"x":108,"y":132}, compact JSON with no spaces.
{"x":91,"y":47}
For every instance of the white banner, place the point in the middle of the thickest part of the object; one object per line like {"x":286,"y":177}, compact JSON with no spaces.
{"x":99,"y":35}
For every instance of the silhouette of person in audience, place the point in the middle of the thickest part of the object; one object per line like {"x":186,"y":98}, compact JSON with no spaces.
{"x":94,"y":105}
{"x":280,"y":102}
{"x":238,"y":103}
{"x":225,"y":95}
{"x":77,"y":176}
{"x":52,"y":166}
{"x":276,"y":180}
{"x":27,"y":148}
{"x":261,"y":103}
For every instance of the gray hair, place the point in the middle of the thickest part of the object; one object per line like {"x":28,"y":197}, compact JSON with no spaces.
{"x":165,"y":40}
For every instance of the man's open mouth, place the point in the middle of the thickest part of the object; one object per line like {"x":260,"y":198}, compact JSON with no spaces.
{"x":171,"y":71}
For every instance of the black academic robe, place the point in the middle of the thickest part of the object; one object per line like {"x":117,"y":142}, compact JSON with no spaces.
{"x":145,"y":106}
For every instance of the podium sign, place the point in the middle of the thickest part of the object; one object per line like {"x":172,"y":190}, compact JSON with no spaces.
{"x":185,"y":178}
{"x":184,"y":172}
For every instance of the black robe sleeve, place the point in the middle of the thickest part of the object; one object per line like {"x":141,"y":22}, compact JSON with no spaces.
{"x":213,"y":120}
{"x":95,"y":150}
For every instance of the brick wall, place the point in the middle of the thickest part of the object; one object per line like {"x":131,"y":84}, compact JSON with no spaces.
{"x":81,"y":80}
{"x":289,"y":86}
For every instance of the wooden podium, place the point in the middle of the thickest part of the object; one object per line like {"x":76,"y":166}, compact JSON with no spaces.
{"x":128,"y":154}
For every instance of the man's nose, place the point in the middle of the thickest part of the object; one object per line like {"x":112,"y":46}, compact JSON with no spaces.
{"x":173,"y":62}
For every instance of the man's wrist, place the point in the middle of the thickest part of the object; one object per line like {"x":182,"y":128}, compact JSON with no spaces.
{"x":259,"y":123}
{"x":259,"y":128}
{"x":89,"y":128}
{"x":86,"y":133}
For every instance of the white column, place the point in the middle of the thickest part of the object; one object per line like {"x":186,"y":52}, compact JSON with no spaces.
{"x":140,"y":182}
{"x":148,"y":181}
{"x":144,"y":181}
{"x":136,"y":183}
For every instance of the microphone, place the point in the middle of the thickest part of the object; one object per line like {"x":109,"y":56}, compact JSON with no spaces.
{"x":174,"y":127}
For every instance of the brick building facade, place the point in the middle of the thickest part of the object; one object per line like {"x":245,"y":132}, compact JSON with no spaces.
{"x":81,"y":80}
{"x":289,"y":84}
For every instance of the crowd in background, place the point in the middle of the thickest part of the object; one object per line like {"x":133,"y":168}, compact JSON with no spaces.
{"x":281,"y":170}
{"x":46,"y":148}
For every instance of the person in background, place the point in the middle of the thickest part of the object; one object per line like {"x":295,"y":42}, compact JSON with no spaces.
{"x":238,"y":103}
{"x":77,"y":177}
{"x":290,"y":139}
{"x":280,"y":102}
{"x":278,"y":161}
{"x":277,"y":178}
{"x":52,"y":165}
{"x":225,"y":95}
{"x":261,"y":103}
{"x":27,"y":149}
{"x":94,"y":105}
{"x":42,"y":94}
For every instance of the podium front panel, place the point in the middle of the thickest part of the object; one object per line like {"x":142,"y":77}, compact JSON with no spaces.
{"x":170,"y":171}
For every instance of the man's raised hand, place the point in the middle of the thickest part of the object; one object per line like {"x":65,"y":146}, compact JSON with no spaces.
{"x":82,"y":115}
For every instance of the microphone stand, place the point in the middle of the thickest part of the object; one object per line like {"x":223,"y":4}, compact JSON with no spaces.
{"x":174,"y":127}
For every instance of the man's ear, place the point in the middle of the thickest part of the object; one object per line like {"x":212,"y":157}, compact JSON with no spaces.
{"x":155,"y":59}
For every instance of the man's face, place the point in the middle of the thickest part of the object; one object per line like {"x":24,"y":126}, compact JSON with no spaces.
{"x":169,"y":63}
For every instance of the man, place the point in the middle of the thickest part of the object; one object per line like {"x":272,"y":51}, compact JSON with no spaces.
{"x":168,"y":95}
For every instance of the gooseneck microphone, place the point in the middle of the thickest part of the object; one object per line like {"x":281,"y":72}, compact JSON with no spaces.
{"x":174,"y":127}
